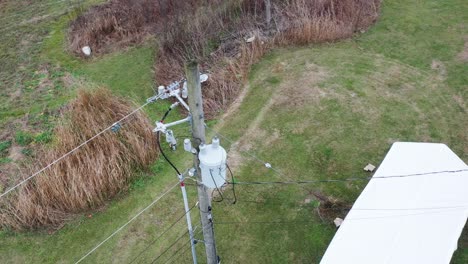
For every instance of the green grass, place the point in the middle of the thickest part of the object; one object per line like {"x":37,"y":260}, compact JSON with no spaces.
{"x":23,"y":138}
{"x":24,"y":28}
{"x":378,"y":88}
{"x":4,"y":146}
{"x":42,"y":77}
{"x":330,"y":110}
{"x":347,"y":119}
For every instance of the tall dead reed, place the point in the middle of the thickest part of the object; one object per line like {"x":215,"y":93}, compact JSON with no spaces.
{"x":215,"y":35}
{"x":92,"y":175}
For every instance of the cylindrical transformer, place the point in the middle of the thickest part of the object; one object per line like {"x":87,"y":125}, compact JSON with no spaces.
{"x":213,"y":164}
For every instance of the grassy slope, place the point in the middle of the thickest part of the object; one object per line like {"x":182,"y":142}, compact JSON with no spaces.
{"x":367,"y":93}
{"x":373,"y":90}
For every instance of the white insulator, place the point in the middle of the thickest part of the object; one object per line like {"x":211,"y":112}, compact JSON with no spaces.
{"x":192,"y":172}
{"x":162,"y":92}
{"x":170,"y":138}
{"x":203,"y":78}
{"x":202,"y":149}
{"x":215,"y":142}
{"x":187,"y":145}
{"x":184,"y":91}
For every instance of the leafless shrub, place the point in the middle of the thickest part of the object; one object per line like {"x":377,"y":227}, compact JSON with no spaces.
{"x":92,"y":175}
{"x":214,"y":36}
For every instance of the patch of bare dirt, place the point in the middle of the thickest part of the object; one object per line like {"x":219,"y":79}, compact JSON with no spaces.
{"x":463,"y":55}
{"x":279,"y":67}
{"x":439,"y":67}
{"x":235,"y":104}
{"x":235,"y":158}
{"x":45,"y":82}
{"x":34,"y":20}
{"x":460,"y":101}
{"x":16,"y":153}
{"x":70,"y":82}
{"x":252,"y":133}
{"x":16,"y":94}
{"x":304,"y":90}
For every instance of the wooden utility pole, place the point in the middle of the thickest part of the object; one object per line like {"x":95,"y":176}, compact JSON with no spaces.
{"x":198,"y":137}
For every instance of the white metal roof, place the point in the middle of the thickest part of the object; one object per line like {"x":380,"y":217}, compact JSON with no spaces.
{"x":414,"y":219}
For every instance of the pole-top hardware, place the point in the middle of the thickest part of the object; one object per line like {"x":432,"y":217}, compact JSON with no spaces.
{"x":116,"y":127}
{"x":192,"y":172}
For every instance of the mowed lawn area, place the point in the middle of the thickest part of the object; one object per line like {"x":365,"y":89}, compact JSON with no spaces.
{"x":316,"y":112}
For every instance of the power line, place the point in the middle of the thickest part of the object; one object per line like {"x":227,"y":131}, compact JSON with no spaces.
{"x":262,"y":222}
{"x":281,"y":222}
{"x":75,"y":149}
{"x":348,"y":179}
{"x":454,"y":209}
{"x":158,"y":138}
{"x":418,"y":174}
{"x":181,"y":254}
{"x":161,"y":235}
{"x":410,"y":209}
{"x":167,"y":249}
{"x":178,"y":250}
{"x":123,"y":226}
{"x":268,"y":165}
{"x":233,"y":184}
{"x":460,"y":206}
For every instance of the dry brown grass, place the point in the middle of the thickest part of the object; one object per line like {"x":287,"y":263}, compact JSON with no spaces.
{"x":212,"y":32}
{"x":215,"y":36}
{"x":120,"y":23}
{"x":92,"y":175}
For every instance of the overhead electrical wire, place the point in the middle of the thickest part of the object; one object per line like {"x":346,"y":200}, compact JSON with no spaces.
{"x":349,"y":179}
{"x":167,"y":249}
{"x":75,"y":149}
{"x":233,"y":184}
{"x":183,"y":246}
{"x":261,"y":222}
{"x":405,"y":215}
{"x":178,"y":250}
{"x":127,"y":223}
{"x":459,"y":206}
{"x":179,"y":254}
{"x":162,"y":234}
{"x":268,"y":165}
{"x":158,"y":139}
{"x":281,"y":222}
{"x":216,"y":188}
